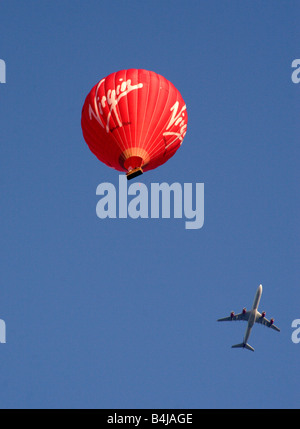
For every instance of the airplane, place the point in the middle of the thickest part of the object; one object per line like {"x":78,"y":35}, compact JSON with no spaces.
{"x":252,"y":316}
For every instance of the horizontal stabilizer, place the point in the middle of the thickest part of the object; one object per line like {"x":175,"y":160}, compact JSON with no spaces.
{"x":244,"y":346}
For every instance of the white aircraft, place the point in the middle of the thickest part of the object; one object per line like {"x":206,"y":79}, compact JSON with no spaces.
{"x":251,"y":317}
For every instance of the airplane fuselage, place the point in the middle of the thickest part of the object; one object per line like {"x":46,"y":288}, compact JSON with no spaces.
{"x":253,"y":313}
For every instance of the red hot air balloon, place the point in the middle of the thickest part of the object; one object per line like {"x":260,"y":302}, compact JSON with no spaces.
{"x":134,"y":120}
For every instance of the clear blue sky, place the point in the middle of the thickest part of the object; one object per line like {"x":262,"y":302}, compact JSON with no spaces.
{"x":122,"y":313}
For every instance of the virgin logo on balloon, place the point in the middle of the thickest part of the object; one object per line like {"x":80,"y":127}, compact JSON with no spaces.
{"x":112,"y":98}
{"x":134,"y":121}
{"x":177,"y":119}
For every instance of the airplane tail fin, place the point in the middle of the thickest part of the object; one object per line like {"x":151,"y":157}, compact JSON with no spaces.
{"x":244,"y":346}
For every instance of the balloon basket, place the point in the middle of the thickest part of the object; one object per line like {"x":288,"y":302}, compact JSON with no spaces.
{"x":134,"y":173}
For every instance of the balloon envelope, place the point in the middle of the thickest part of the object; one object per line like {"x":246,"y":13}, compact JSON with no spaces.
{"x":134,"y":120}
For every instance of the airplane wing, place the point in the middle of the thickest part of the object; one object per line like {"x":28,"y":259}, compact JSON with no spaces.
{"x":263,"y":321}
{"x":240,"y":316}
